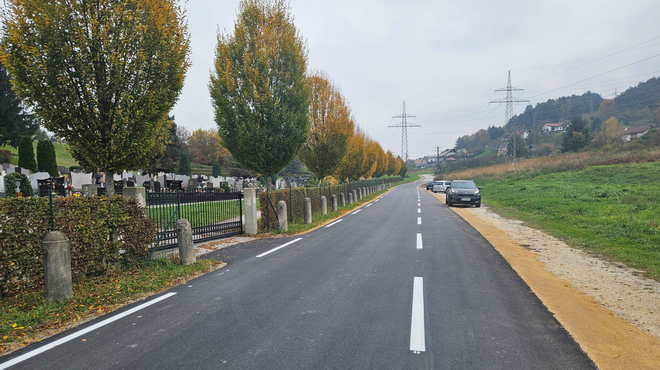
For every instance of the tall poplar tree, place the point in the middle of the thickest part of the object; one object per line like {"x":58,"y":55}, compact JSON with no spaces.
{"x":351,"y":164}
{"x":259,"y":87}
{"x":330,"y":127}
{"x":101,"y":74}
{"x":14,"y":121}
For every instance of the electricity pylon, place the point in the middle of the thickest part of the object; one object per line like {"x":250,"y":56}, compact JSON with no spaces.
{"x":404,"y":130}
{"x":509,"y":100}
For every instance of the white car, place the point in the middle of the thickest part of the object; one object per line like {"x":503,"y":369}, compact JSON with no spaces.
{"x":441,"y":186}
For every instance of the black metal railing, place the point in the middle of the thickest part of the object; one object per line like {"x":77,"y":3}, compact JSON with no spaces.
{"x":212,"y":214}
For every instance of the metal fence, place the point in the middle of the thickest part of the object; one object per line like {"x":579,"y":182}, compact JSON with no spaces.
{"x":212,"y":214}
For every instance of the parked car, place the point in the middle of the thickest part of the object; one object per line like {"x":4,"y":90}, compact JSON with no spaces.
{"x":441,"y":186}
{"x":463,"y":192}
{"x":429,"y":186}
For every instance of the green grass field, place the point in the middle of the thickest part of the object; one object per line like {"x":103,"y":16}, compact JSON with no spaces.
{"x":61,"y":152}
{"x":612,"y":210}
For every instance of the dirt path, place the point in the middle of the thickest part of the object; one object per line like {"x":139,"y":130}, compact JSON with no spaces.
{"x":612,"y":312}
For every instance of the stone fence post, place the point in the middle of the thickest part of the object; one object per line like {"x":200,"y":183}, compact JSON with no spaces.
{"x":282,"y":218}
{"x":334,"y":203}
{"x":343,"y":199}
{"x":185,"y":242}
{"x":250,"y":195}
{"x":350,"y":198}
{"x":56,"y":250}
{"x":324,"y":205}
{"x":308,"y":210}
{"x":359,"y":193}
{"x":137,"y":192}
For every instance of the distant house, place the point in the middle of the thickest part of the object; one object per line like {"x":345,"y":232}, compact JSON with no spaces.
{"x":549,"y":127}
{"x":524,"y":134}
{"x":635,"y":132}
{"x":418,"y":162}
{"x":450,"y":159}
{"x":461,"y":151}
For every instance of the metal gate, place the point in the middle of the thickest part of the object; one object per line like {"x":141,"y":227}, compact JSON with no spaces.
{"x":212,"y":214}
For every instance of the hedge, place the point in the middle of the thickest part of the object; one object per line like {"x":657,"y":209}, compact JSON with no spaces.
{"x":86,"y":221}
{"x":294,"y":199}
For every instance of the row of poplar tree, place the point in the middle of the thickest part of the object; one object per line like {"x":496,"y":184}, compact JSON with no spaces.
{"x":104,"y":75}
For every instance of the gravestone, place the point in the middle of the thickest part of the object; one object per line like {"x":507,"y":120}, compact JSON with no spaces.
{"x":62,"y":170}
{"x":38,"y":176}
{"x":2,"y":183}
{"x":80,"y":179}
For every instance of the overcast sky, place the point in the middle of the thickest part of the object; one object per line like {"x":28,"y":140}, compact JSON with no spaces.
{"x":446,"y":58}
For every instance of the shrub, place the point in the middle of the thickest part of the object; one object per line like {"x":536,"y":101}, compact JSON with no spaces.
{"x":46,"y":159}
{"x":86,"y":221}
{"x":5,"y":156}
{"x":26,"y":154}
{"x":10,"y":185}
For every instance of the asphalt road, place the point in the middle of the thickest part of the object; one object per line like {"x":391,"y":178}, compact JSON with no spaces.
{"x":404,"y":283}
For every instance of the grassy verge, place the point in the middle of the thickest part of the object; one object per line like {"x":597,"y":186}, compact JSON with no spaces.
{"x":298,"y":225}
{"x":612,"y":210}
{"x":61,"y":153}
{"x":27,"y":317}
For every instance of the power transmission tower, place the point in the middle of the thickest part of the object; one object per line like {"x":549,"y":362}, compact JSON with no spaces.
{"x":404,"y":130}
{"x":509,"y":100}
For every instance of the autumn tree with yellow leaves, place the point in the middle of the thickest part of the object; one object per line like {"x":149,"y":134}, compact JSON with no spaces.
{"x":259,"y":87}
{"x":381,"y":157}
{"x":205,"y":147}
{"x":330,"y":127}
{"x":393,"y":166}
{"x":101,"y":74}
{"x":351,"y":165}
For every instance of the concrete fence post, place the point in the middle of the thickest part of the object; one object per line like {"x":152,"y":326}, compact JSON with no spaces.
{"x":343,"y":199}
{"x":185,"y":242}
{"x":355,"y":198}
{"x":324,"y":205}
{"x":334,"y":203}
{"x":350,"y":198}
{"x":250,"y":195}
{"x":308,"y":210}
{"x":359,"y":193}
{"x":282,"y":218}
{"x":137,"y":192}
{"x":56,"y":250}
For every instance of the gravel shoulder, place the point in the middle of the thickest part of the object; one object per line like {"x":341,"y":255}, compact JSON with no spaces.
{"x":611,"y":310}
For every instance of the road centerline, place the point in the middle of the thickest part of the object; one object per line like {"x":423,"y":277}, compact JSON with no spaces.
{"x":419,"y":220}
{"x":417,"y":334}
{"x":420,"y":245}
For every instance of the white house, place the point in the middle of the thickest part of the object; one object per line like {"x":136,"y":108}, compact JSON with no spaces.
{"x":549,"y":127}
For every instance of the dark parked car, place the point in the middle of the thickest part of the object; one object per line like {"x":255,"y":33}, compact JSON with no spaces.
{"x":429,"y":186}
{"x":463,"y":192}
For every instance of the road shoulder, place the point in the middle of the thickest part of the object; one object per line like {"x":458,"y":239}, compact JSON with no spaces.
{"x":609,"y":340}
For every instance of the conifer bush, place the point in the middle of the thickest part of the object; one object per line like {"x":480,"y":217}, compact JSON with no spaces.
{"x":46,"y":159}
{"x":26,"y":154}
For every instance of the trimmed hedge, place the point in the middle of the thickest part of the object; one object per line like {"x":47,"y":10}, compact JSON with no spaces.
{"x":86,"y":221}
{"x":294,"y":199}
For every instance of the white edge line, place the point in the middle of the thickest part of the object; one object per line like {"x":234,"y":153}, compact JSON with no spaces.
{"x":417,"y":337}
{"x":82,"y":332}
{"x":369,"y":205}
{"x":274,"y":249}
{"x":356,"y":211}
{"x":334,"y":223}
{"x":420,"y":245}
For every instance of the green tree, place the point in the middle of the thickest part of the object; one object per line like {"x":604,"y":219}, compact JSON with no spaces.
{"x":26,"y":154}
{"x":101,"y":74}
{"x":184,"y":165}
{"x":259,"y":87}
{"x":217,"y":169}
{"x":404,"y":168}
{"x":576,"y":136}
{"x":46,"y":158}
{"x":330,"y":128}
{"x":522,"y":150}
{"x":169,"y":162}
{"x":14,"y":122}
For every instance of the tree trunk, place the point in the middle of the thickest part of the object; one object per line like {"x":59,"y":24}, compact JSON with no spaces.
{"x":109,"y":184}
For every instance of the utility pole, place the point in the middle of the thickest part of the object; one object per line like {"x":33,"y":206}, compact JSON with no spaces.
{"x":437,"y":160}
{"x":509,"y":100}
{"x":404,"y":131}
